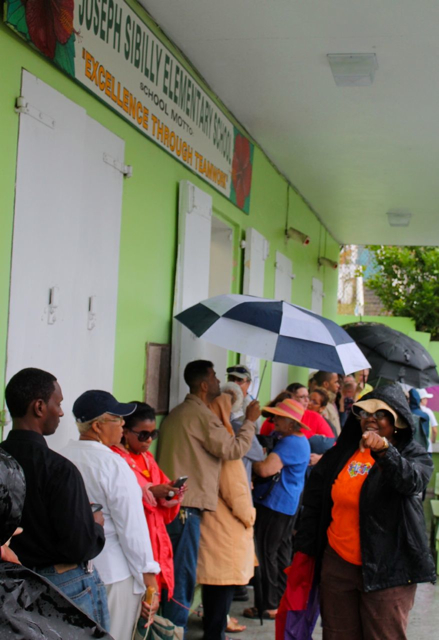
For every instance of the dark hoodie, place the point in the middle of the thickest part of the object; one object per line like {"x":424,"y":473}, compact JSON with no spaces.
{"x":394,"y":546}
{"x":424,"y":420}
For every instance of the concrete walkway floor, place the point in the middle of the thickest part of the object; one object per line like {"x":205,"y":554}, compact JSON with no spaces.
{"x":423,"y":624}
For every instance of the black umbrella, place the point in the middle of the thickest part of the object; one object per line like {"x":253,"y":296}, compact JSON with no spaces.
{"x":393,"y":355}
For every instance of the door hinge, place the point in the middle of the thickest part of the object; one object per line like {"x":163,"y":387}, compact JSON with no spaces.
{"x":53,"y":304}
{"x":91,"y":321}
{"x":125,"y":169}
{"x":265,"y":249}
{"x":23,"y":106}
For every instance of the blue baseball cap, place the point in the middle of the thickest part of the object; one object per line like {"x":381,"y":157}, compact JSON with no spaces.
{"x":93,"y":404}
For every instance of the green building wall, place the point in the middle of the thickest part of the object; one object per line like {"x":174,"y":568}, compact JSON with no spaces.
{"x":149,"y":223}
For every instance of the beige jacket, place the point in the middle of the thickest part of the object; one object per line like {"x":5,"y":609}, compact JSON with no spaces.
{"x":192,"y":442}
{"x":331,"y":412}
{"x":226,"y":552}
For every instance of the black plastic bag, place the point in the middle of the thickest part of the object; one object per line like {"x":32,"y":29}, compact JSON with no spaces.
{"x":31,"y":608}
{"x":12,"y":494}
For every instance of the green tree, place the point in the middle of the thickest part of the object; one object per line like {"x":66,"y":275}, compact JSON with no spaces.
{"x":407,"y":283}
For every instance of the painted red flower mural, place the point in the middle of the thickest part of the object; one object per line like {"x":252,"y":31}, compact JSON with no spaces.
{"x":241,"y":169}
{"x":49,"y":22}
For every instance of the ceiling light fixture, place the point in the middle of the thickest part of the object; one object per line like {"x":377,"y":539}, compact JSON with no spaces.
{"x":353,"y":69}
{"x":399,"y":218}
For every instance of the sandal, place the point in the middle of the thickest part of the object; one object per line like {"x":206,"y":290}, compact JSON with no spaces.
{"x":233,"y":626}
{"x":251,"y":612}
{"x":269,"y":615}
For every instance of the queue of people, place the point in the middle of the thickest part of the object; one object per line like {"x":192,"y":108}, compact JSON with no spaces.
{"x":121,"y":532}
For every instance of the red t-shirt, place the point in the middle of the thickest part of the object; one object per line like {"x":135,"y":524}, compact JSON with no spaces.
{"x":267,"y":427}
{"x":318,"y":425}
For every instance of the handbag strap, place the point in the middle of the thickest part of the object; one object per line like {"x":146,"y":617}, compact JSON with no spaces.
{"x":274,"y":480}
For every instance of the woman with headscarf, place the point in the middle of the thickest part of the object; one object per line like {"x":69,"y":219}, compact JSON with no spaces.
{"x":363,"y":522}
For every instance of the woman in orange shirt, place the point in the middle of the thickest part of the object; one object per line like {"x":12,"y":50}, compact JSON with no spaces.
{"x":363,"y":522}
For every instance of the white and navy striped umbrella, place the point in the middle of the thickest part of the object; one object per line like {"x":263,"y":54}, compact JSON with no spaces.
{"x":274,"y":330}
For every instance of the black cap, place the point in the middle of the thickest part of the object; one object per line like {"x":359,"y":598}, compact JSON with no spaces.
{"x":93,"y":404}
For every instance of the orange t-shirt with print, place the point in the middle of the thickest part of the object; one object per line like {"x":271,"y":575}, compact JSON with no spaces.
{"x":344,"y":530}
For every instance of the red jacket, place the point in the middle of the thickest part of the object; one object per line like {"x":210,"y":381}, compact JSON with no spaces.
{"x":157,"y":517}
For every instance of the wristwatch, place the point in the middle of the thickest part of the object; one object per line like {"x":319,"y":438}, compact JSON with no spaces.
{"x":386,"y":444}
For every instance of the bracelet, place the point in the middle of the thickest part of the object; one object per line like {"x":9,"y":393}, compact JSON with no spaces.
{"x":385,"y":445}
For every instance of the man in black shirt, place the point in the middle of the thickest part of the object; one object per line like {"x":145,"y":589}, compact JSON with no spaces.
{"x":30,"y":606}
{"x":60,"y":533}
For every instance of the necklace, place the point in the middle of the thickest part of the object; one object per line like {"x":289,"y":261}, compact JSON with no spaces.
{"x":135,"y":466}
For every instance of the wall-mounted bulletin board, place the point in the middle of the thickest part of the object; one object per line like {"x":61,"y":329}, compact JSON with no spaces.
{"x":158,"y":373}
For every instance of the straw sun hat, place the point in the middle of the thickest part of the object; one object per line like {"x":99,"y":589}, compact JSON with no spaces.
{"x":289,"y":408}
{"x":373,"y":405}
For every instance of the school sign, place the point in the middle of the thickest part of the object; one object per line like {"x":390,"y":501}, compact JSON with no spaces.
{"x":105,"y":46}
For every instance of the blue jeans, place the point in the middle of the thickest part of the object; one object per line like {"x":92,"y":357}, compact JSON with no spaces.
{"x":85,"y":590}
{"x":185,"y":538}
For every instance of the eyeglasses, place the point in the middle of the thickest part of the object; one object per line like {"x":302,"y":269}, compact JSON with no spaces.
{"x":379,"y":415}
{"x":143,"y":436}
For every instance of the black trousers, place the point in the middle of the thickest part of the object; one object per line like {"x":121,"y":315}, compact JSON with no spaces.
{"x":217,"y":600}
{"x":273,"y":537}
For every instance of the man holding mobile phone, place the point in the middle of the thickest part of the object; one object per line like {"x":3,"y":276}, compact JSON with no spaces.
{"x":193,"y":441}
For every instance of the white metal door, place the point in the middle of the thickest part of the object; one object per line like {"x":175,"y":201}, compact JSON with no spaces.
{"x":220,"y":281}
{"x":282,"y":291}
{"x":255,"y":255}
{"x":63,"y":296}
{"x":192,"y":281}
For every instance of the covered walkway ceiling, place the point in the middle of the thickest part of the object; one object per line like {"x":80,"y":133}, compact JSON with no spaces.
{"x":354,"y":153}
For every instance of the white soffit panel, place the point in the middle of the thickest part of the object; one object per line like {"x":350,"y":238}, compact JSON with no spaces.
{"x":354,"y":153}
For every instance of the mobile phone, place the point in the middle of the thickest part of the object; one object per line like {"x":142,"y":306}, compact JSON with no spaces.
{"x":179,"y":482}
{"x":95,"y":506}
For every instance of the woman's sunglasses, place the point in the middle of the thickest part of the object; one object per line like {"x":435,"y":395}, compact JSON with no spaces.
{"x":143,"y":436}
{"x":379,"y":415}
